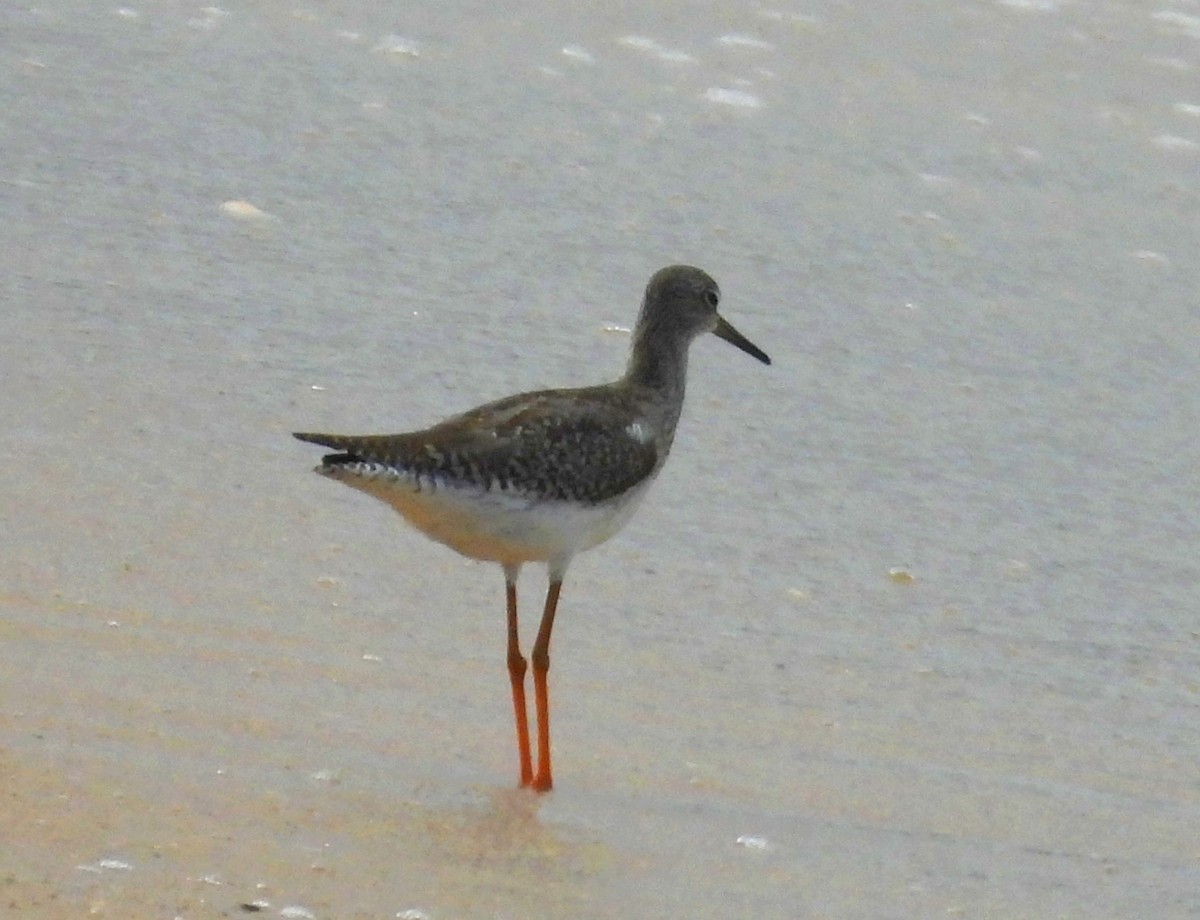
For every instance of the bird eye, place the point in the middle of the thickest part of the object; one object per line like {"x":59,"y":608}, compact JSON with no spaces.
{"x":712,"y":298}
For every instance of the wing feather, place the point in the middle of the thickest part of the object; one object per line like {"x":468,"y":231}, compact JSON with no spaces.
{"x":581,"y":445}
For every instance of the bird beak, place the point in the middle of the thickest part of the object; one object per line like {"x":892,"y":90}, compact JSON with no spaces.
{"x":725,"y":331}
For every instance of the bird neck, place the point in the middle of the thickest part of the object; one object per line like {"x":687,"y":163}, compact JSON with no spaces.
{"x":659,"y":363}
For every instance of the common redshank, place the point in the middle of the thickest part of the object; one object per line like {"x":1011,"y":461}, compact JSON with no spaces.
{"x":539,"y":477}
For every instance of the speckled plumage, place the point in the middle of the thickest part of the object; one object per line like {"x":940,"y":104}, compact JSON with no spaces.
{"x":584,"y":445}
{"x":539,"y":477}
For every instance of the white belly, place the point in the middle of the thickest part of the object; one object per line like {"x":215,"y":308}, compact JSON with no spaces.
{"x":500,"y":526}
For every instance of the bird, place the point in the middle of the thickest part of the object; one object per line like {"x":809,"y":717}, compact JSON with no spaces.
{"x":542,"y":476}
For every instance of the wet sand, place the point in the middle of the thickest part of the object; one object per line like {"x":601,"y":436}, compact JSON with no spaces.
{"x":905,"y":629}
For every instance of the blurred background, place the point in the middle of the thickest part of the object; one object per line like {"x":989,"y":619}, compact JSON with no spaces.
{"x":907,"y":627}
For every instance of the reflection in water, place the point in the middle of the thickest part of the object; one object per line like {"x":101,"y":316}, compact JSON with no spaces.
{"x":500,"y":851}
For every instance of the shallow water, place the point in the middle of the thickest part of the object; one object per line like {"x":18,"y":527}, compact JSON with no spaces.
{"x":907,"y":626}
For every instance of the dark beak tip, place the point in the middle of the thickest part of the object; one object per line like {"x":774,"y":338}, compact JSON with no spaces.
{"x":726,"y":331}
{"x":753,"y":351}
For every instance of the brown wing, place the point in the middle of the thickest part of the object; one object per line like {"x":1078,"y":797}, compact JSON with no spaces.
{"x":582,"y":445}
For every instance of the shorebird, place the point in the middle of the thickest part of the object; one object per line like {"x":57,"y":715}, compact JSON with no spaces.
{"x":542,"y":476}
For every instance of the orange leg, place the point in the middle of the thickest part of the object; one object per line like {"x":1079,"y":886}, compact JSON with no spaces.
{"x":541,"y":667}
{"x":516,"y":674}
